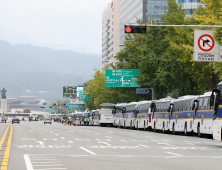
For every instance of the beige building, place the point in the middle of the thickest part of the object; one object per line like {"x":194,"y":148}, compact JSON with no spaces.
{"x":130,"y":11}
{"x":110,"y":32}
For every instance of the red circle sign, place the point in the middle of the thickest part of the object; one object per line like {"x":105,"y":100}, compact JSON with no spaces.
{"x":203,"y":40}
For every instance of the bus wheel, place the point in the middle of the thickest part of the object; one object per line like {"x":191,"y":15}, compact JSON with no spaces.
{"x":185,"y":130}
{"x":198,"y":131}
{"x":174,"y":132}
{"x":155,"y":127}
{"x":164,"y":129}
{"x":144,"y":127}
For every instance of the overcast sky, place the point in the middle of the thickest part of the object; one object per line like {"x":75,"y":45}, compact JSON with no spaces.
{"x":75,"y":23}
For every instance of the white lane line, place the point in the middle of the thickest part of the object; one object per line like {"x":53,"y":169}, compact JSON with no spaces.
{"x":144,"y":146}
{"x":50,"y":168}
{"x":97,"y":134}
{"x":123,"y":140}
{"x":70,"y":141}
{"x":28,"y":162}
{"x":49,"y":165}
{"x":108,"y":137}
{"x":62,"y":138}
{"x":174,"y":154}
{"x":87,"y":150}
{"x":56,"y":134}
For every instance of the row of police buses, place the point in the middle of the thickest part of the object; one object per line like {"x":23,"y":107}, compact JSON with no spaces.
{"x":200,"y":114}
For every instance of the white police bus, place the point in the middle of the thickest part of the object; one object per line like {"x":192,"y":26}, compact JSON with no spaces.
{"x":106,"y":114}
{"x":129,"y":116}
{"x":118,"y":114}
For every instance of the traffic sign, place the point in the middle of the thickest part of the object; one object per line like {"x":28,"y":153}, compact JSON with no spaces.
{"x":142,"y":90}
{"x":121,"y":78}
{"x":82,"y":91}
{"x":69,"y":91}
{"x":76,"y":106}
{"x":83,"y":97}
{"x":205,"y":47}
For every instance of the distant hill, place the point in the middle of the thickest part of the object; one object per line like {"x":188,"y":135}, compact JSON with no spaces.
{"x":13,"y":37}
{"x":26,"y":67}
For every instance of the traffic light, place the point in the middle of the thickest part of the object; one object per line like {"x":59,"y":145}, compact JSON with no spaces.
{"x":42,"y":107}
{"x":135,"y":29}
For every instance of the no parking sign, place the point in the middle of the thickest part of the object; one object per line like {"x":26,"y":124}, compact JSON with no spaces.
{"x":205,"y":47}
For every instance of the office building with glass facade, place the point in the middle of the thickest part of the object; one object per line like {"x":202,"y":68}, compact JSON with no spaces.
{"x":189,"y":5}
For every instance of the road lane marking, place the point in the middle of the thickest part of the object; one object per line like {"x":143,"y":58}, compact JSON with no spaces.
{"x":97,"y":134}
{"x":3,"y":138}
{"x":87,"y":150}
{"x":28,"y":162}
{"x":62,"y":138}
{"x":175,"y":155}
{"x":108,"y":137}
{"x":144,"y":146}
{"x":123,"y":140}
{"x":7,"y":150}
{"x":56,"y":134}
{"x":70,"y":141}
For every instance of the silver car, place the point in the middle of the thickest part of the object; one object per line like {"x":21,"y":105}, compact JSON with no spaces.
{"x":47,"y":120}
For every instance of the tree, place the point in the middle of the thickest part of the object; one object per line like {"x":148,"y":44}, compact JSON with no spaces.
{"x":26,"y":111}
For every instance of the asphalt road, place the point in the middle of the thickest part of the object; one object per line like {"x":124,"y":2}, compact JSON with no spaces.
{"x":36,"y":146}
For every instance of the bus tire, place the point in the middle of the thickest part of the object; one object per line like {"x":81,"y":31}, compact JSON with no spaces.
{"x":154,"y":127}
{"x":163,"y":128}
{"x":185,"y":129}
{"x":144,"y":126}
{"x":198,"y":131}
{"x":174,"y":132}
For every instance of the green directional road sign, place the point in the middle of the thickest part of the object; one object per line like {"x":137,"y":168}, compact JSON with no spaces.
{"x":76,"y":106}
{"x":82,"y":91}
{"x":121,"y":78}
{"x":83,"y":97}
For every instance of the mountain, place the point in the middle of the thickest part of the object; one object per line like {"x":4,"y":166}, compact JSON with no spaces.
{"x":16,"y":38}
{"x":36,"y":69}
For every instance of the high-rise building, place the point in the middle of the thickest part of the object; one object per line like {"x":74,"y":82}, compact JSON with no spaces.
{"x":121,"y":12}
{"x":189,"y":5}
{"x":145,"y":10}
{"x":110,"y":32}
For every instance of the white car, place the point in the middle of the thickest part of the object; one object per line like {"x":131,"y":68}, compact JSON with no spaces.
{"x":47,"y":120}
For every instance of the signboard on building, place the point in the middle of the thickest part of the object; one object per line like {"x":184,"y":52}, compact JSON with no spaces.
{"x":69,"y":91}
{"x":206,"y":49}
{"x":121,"y":78}
{"x":142,"y":90}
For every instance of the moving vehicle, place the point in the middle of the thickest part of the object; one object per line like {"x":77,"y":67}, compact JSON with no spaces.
{"x":47,"y":120}
{"x":106,"y":114}
{"x":15,"y":120}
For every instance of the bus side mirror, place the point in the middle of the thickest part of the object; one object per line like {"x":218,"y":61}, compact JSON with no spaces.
{"x":193,"y":106}
{"x":168,"y":109}
{"x":154,"y":108}
{"x":211,"y":100}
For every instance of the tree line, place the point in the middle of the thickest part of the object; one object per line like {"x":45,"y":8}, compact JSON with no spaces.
{"x":165,"y":57}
